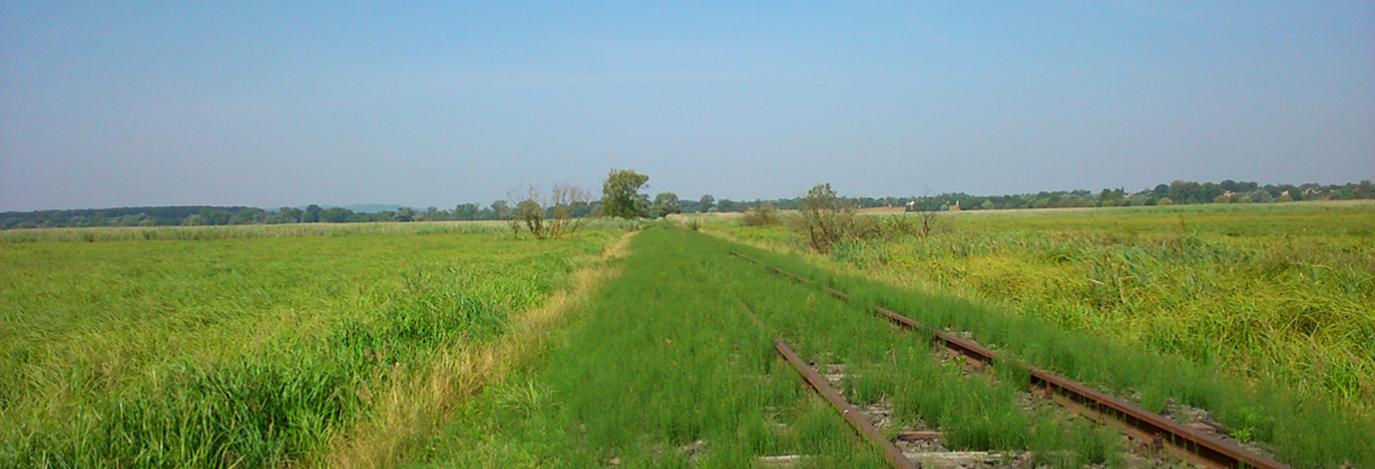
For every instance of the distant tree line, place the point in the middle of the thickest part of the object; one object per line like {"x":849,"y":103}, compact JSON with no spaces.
{"x":205,"y":215}
{"x":1177,"y":192}
{"x":629,"y":202}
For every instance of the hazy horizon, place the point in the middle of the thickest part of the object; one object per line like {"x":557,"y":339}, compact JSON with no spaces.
{"x":271,"y":105}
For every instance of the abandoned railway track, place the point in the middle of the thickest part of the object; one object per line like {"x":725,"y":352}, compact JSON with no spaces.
{"x":1177,"y":439}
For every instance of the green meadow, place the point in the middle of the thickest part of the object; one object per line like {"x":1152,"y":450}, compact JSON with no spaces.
{"x":663,"y":368}
{"x":453,"y":345}
{"x":1273,"y":293}
{"x":256,"y":348}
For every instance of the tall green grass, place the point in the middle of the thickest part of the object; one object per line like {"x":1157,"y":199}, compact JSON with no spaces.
{"x":1281,"y":295}
{"x":665,"y":356}
{"x":1305,"y":429}
{"x":240,"y":352}
{"x":656,"y":361}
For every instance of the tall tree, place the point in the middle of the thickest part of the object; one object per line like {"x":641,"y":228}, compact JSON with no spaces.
{"x":312,"y":214}
{"x":704,"y":204}
{"x":500,"y":210}
{"x":465,"y":212}
{"x":621,"y":195}
{"x":665,"y":204}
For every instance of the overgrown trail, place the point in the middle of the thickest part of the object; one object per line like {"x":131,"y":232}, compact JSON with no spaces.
{"x":663,"y":367}
{"x":413,"y":408}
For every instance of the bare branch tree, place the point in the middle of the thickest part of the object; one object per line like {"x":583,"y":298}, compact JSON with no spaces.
{"x":563,"y":199}
{"x":547,"y":217}
{"x":927,"y":215}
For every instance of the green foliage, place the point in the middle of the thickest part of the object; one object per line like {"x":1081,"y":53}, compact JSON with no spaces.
{"x":706,"y":203}
{"x":621,"y":196}
{"x":665,"y":204}
{"x":1256,"y":307}
{"x":827,"y":219}
{"x":667,"y":357}
{"x":829,"y":222}
{"x":547,"y":216}
{"x":661,"y":358}
{"x":254,"y":352}
{"x":761,"y":215}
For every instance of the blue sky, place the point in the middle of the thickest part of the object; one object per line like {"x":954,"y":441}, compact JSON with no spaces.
{"x":289,"y":103}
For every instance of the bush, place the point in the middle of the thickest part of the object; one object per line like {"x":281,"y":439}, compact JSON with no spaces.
{"x":896,"y":226}
{"x":827,"y":219}
{"x":547,"y":217}
{"x":760,"y":215}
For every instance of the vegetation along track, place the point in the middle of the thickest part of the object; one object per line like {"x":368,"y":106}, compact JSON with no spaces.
{"x":661,"y":368}
{"x":1183,"y":441}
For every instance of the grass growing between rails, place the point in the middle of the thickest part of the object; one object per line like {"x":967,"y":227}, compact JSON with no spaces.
{"x":260,"y":351}
{"x":900,"y":369}
{"x":658,"y":360}
{"x":1304,"y":427}
{"x":663,"y":368}
{"x":1272,"y":293}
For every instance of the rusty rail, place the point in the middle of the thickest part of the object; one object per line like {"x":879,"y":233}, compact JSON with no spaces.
{"x":851,"y":414}
{"x":1180,"y":440}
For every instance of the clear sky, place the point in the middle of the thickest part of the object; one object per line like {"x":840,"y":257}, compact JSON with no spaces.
{"x":289,"y":103}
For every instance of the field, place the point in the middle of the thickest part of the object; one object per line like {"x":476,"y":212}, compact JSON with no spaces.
{"x":1280,"y":293}
{"x":664,"y":368}
{"x":248,"y":347}
{"x":454,"y":345}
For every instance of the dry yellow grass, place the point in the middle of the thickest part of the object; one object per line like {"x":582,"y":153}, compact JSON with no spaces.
{"x":882,"y":210}
{"x":415,"y":407}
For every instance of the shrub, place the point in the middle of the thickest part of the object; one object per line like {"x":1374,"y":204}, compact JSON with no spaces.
{"x":895,"y":227}
{"x":547,"y":217}
{"x":827,"y":219}
{"x":760,"y":215}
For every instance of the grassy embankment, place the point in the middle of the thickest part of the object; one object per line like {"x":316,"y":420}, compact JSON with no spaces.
{"x":663,"y":368}
{"x":255,"y":346}
{"x":1279,"y":296}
